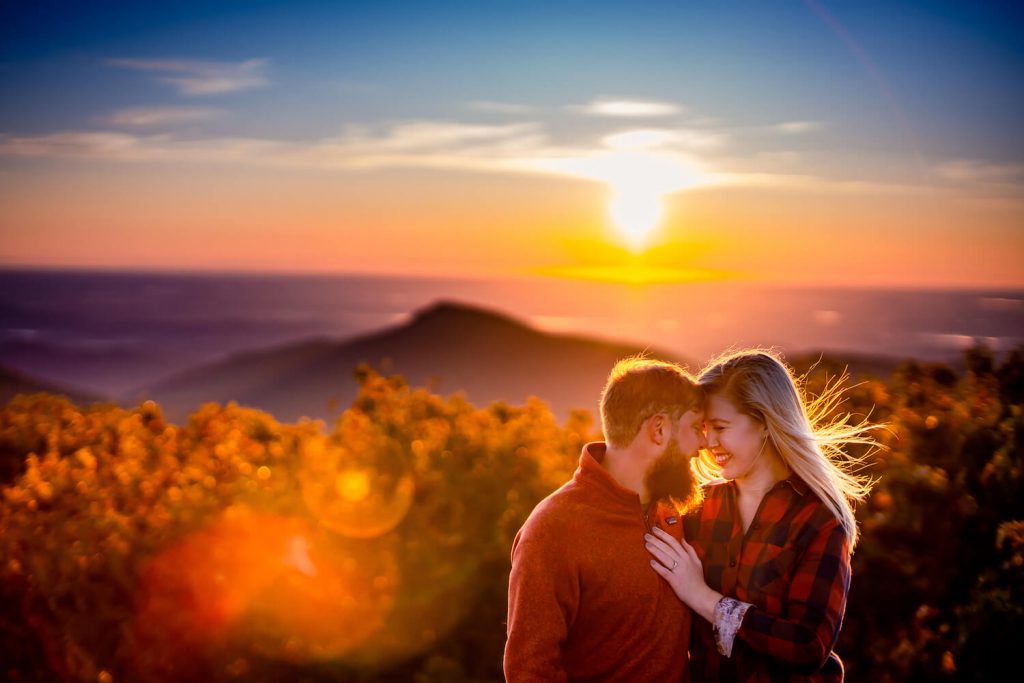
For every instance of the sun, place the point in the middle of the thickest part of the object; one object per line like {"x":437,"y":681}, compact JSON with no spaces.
{"x":638,"y":182}
{"x":640,"y":168}
{"x":636,"y":213}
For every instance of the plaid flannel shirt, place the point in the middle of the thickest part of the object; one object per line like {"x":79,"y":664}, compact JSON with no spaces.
{"x":792,"y":565}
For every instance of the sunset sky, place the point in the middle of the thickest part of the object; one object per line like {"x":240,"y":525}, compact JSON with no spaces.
{"x":875,"y":143}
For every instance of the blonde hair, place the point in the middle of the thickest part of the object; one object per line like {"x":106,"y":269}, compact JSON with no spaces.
{"x":811,"y":444}
{"x":638,"y":388}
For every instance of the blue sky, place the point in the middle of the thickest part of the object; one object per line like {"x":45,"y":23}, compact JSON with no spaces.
{"x":954,"y":68}
{"x":919,"y":93}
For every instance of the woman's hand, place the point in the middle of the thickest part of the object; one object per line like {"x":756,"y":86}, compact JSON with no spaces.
{"x":677,"y":563}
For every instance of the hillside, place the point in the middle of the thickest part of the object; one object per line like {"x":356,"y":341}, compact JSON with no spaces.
{"x":13,"y":382}
{"x":450,"y":347}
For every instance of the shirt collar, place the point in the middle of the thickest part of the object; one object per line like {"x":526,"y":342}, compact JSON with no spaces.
{"x":591,"y":469}
{"x":796,"y":483}
{"x":793,"y":481}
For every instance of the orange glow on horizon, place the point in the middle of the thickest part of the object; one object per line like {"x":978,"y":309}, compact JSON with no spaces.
{"x":635,"y":274}
{"x":464,"y":225}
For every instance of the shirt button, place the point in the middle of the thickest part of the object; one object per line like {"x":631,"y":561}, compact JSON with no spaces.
{"x":732,"y":563}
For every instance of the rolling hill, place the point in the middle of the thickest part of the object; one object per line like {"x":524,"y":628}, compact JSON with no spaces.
{"x":450,"y":347}
{"x":14,"y":382}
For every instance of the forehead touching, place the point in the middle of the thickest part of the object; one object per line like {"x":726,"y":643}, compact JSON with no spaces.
{"x":693,"y":416}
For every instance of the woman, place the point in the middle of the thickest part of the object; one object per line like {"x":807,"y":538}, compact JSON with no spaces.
{"x":767,"y":566}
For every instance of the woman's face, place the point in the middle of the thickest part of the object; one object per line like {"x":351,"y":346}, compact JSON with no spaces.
{"x":734,"y":439}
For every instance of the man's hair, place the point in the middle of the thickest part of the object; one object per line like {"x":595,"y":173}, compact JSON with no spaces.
{"x":638,"y":388}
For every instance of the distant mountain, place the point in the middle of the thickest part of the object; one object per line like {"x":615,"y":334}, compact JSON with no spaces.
{"x":448,"y":346}
{"x":111,"y":367}
{"x":13,"y":382}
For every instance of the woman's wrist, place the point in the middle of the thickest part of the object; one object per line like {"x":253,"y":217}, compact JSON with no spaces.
{"x":705,"y":601}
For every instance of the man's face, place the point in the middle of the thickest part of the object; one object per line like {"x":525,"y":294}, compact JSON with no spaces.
{"x":670,"y":475}
{"x":690,"y":432}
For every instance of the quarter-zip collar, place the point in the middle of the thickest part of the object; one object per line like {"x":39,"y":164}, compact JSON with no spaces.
{"x":592,"y":472}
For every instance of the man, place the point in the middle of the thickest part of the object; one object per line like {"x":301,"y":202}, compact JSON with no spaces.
{"x":584,"y":603}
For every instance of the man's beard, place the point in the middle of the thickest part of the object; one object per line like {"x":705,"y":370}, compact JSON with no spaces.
{"x":670,"y":477}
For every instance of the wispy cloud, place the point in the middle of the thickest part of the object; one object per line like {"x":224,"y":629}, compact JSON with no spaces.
{"x":662,"y":138}
{"x":796,"y":127}
{"x":438,"y":144}
{"x":657,"y":160}
{"x":131,"y":147}
{"x":148,"y":117}
{"x":974,"y":171}
{"x":405,"y":144}
{"x":520,"y":148}
{"x":501,"y":107}
{"x":628,"y":108}
{"x":193,"y":77}
{"x":812,"y":183}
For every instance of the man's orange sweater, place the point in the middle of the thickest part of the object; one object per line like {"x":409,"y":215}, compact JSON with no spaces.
{"x":584,"y":603}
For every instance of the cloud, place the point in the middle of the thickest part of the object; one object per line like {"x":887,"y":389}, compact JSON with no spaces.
{"x":193,"y":77}
{"x":628,"y":108}
{"x":654,"y":160}
{"x":146,"y":117}
{"x":501,"y":107}
{"x":435,"y":144}
{"x":658,"y":138}
{"x":405,"y":144}
{"x":658,"y":160}
{"x":131,"y":147}
{"x":69,"y":144}
{"x":973,"y":171}
{"x":811,"y":183}
{"x":519,"y":148}
{"x":796,"y":127}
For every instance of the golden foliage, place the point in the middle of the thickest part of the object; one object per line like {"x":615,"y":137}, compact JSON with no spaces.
{"x":234,"y":547}
{"x":145,"y":550}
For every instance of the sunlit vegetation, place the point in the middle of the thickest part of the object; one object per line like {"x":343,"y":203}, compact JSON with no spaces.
{"x":237,"y":548}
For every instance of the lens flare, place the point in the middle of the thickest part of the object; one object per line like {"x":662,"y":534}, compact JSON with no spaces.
{"x":354,"y":485}
{"x":359,"y":490}
{"x":269,"y":583}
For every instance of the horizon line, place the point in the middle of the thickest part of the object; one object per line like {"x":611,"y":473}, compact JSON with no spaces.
{"x":550,"y":273}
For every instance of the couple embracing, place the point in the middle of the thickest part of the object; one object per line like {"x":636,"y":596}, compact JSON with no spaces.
{"x":735,"y":567}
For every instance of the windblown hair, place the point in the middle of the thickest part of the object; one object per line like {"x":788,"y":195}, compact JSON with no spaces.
{"x":811,"y":444}
{"x":638,"y":388}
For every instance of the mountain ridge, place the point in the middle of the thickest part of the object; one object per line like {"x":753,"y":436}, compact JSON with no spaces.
{"x":14,"y":382}
{"x":450,"y":346}
{"x":487,"y":355}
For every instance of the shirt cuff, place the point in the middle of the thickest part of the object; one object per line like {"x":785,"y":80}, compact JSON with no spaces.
{"x":728,"y":617}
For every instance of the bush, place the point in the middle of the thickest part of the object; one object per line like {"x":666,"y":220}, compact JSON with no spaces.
{"x":235,"y":545}
{"x":238,"y":548}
